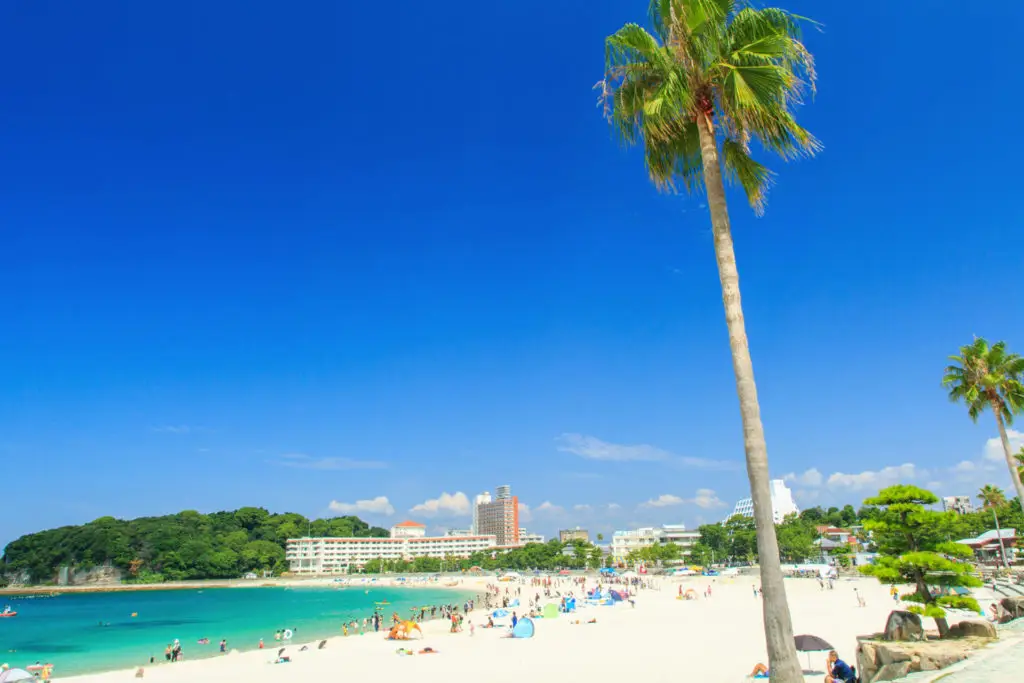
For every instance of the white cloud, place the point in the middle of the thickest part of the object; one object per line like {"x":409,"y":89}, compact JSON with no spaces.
{"x":933,"y":485}
{"x":307,"y":462}
{"x":524,"y":513}
{"x":869,"y":479}
{"x":664,"y":500}
{"x":174,"y":429}
{"x":593,"y":448}
{"x":549,"y":508}
{"x":582,"y":508}
{"x":613,"y":507}
{"x":375,"y":506}
{"x":449,"y":504}
{"x":965,"y":466}
{"x":811,"y":477}
{"x":994,"y":446}
{"x":707,"y":499}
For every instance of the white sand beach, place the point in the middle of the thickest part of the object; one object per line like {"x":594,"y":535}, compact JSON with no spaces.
{"x":660,"y":639}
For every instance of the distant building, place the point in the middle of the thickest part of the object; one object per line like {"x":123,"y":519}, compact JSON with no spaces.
{"x":782,"y":503}
{"x":499,"y":517}
{"x":337,"y":555}
{"x":959,"y":504}
{"x":459,"y":532}
{"x":529,"y":537}
{"x":577,"y":534}
{"x":625,"y":542}
{"x":480,"y":499}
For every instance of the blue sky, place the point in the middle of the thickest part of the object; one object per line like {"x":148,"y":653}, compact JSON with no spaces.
{"x":346,"y":251}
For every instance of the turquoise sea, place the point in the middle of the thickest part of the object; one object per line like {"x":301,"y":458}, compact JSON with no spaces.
{"x":89,"y":632}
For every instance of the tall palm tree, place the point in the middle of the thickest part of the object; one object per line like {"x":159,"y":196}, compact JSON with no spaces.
{"x":992,"y":498}
{"x":708,"y":79}
{"x":984,"y":377}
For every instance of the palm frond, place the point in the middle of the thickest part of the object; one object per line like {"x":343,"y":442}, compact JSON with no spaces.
{"x":753,"y":177}
{"x":675,"y":157}
{"x":631,"y":44}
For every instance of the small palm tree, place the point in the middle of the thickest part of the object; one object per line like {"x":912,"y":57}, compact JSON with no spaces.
{"x":714,"y":76}
{"x":992,"y":498}
{"x":984,"y":377}
{"x":1018,"y":459}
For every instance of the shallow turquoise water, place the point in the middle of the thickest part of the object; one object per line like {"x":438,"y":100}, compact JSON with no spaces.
{"x":66,"y":630}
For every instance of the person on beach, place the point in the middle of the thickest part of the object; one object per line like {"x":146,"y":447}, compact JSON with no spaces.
{"x":838,"y":670}
{"x":261,"y":644}
{"x":223,"y":645}
{"x":167,"y":652}
{"x":760,"y":671}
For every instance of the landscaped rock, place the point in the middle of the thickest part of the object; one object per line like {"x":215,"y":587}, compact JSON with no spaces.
{"x":1013,"y":607}
{"x":891,"y":672}
{"x":977,"y":629}
{"x":903,"y":625}
{"x":879,"y":660}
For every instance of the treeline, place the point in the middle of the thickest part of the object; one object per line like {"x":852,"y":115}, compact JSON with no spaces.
{"x":735,"y":541}
{"x":185,"y":546}
{"x":551,"y":556}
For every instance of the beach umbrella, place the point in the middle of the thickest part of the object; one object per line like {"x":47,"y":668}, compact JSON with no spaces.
{"x":13,"y":675}
{"x":808,"y":644}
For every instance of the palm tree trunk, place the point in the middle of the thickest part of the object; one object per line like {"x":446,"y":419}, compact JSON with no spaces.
{"x":999,"y":535}
{"x":1010,"y":462}
{"x":778,"y":625}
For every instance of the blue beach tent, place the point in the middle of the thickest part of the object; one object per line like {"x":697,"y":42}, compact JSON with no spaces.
{"x":499,"y":613}
{"x":523,"y":629}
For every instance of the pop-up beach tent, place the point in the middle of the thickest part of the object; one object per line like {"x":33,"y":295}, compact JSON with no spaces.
{"x":616,"y":596}
{"x":499,"y":613}
{"x":550,"y":611}
{"x":14,"y":675}
{"x":523,"y":629}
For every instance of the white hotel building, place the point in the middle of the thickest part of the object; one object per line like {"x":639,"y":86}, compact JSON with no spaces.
{"x":625,"y":542}
{"x":408,"y":541}
{"x":782,"y":503}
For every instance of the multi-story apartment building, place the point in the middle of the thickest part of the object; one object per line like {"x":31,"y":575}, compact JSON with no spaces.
{"x":499,"y":517}
{"x":959,"y":504}
{"x":407,"y":542}
{"x":480,"y":499}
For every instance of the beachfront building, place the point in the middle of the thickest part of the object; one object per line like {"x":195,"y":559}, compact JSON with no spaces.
{"x":959,"y":504}
{"x":408,"y":540}
{"x":498,"y":517}
{"x":625,"y":542}
{"x":986,"y":545}
{"x":782,"y":503}
{"x":570,"y":535}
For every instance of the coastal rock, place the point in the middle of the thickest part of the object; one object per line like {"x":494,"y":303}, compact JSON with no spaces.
{"x":903,"y":625}
{"x":887,"y":660}
{"x":977,"y":629}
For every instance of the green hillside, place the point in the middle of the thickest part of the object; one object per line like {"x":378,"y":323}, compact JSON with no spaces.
{"x":188,"y":545}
